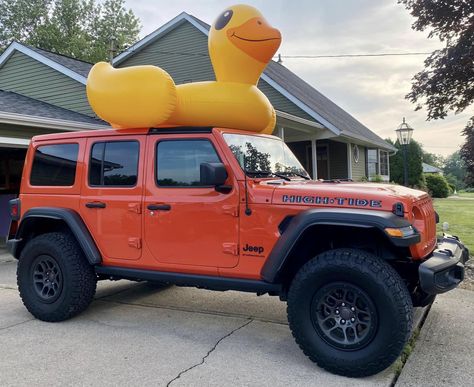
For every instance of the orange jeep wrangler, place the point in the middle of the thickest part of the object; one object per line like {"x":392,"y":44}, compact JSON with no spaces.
{"x":224,"y":209}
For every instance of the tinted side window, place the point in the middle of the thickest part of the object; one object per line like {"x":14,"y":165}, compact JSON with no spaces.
{"x":178,"y":163}
{"x":114,"y":163}
{"x":54,"y":165}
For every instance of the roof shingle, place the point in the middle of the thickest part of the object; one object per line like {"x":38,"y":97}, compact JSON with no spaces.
{"x":19,"y":104}
{"x":78,"y":66}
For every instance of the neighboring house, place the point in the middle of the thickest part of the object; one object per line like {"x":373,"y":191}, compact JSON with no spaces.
{"x":431,"y":169}
{"x":43,"y":92}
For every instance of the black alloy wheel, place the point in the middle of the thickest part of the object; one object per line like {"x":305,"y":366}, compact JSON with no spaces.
{"x":344,"y":316}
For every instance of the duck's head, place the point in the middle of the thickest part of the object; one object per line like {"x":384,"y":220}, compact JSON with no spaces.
{"x":241,"y":43}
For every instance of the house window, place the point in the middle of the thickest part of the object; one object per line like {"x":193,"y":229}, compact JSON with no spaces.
{"x":356,"y":153}
{"x":372,"y":162}
{"x":384,"y":163}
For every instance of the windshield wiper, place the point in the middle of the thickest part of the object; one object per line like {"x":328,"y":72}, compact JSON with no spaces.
{"x":300,"y":175}
{"x":269,"y":173}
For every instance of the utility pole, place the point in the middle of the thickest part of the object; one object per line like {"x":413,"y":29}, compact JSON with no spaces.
{"x":112,"y":49}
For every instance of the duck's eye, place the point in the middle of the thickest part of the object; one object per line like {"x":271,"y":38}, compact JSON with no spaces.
{"x":223,"y":19}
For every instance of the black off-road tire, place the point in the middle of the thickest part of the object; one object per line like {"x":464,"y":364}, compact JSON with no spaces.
{"x":387,"y":300}
{"x":55,"y":258}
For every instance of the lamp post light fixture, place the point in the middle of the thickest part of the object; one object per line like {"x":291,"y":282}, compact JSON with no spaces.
{"x":404,"y":133}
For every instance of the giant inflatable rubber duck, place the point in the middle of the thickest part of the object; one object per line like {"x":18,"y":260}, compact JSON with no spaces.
{"x":241,"y":43}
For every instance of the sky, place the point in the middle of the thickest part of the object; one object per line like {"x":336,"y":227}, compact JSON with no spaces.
{"x":371,"y":89}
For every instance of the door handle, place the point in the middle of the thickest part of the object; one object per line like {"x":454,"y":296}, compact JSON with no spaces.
{"x":159,"y":207}
{"x":95,"y":205}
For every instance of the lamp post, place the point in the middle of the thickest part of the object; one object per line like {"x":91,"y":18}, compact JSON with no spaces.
{"x":404,"y":133}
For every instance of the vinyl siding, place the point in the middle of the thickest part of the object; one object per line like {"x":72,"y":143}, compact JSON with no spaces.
{"x":26,"y":76}
{"x":280,"y":102}
{"x":183,"y":53}
{"x":359,"y":169}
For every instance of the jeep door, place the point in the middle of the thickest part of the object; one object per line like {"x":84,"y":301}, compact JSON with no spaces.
{"x":187,"y":223}
{"x":111,"y":195}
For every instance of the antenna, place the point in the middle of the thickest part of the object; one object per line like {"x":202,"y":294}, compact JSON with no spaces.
{"x":248,"y":211}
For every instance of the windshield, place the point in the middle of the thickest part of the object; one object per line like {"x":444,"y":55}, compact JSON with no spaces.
{"x":264,"y":155}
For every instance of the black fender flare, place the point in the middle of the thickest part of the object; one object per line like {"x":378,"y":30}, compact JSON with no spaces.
{"x":73,"y":221}
{"x":336,"y":217}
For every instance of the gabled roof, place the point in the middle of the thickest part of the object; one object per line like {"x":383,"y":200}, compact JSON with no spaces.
{"x":70,"y":67}
{"x":303,"y":95}
{"x":78,"y":66}
{"x":13,"y":104}
{"x":427,"y":168}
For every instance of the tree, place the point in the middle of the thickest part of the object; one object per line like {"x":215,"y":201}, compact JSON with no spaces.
{"x":447,"y":82}
{"x":433,"y":159}
{"x":467,"y":152}
{"x":414,"y":162}
{"x":81,"y":29}
{"x":455,"y":170}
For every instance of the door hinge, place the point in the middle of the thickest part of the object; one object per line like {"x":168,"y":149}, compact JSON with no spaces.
{"x":135,"y":242}
{"x":230,"y":248}
{"x":135,"y":207}
{"x":231,"y":210}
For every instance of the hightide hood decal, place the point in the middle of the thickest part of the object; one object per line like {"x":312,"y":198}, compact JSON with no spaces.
{"x":327,"y":200}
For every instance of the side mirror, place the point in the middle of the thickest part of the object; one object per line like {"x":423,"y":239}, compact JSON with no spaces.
{"x":213,"y":174}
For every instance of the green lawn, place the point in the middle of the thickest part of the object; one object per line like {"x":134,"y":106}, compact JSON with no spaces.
{"x":459,"y":213}
{"x":467,"y":194}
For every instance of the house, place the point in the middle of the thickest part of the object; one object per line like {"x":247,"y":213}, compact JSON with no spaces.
{"x":43,"y":92}
{"x":427,"y":168}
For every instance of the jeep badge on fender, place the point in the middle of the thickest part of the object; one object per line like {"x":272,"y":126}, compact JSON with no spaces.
{"x":258,"y":250}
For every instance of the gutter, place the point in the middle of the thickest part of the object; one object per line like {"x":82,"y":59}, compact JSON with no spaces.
{"x":299,"y":120}
{"x":365,"y":141}
{"x":48,"y":123}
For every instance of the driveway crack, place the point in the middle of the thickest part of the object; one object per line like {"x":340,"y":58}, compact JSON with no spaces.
{"x":16,"y":324}
{"x":203,"y":360}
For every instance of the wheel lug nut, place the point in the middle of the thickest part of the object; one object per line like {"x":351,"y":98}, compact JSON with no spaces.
{"x":353,"y":319}
{"x":353,"y":309}
{"x":337,"y":312}
{"x":343,"y":321}
{"x":343,"y":304}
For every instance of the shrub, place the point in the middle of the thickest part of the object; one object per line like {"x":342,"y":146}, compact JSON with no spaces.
{"x":437,"y":185}
{"x":376,"y":179}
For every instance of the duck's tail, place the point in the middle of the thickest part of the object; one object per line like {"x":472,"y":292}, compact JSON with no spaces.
{"x":131,"y":97}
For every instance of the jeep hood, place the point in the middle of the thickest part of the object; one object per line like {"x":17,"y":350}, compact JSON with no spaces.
{"x":343,"y":194}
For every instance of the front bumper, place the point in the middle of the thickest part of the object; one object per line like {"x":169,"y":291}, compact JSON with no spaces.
{"x":444,"y":270}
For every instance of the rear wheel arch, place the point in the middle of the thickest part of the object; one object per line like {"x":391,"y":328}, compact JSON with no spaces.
{"x":42,"y":220}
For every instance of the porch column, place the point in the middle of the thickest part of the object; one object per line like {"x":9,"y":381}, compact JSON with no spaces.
{"x":314,"y":159}
{"x":281,"y":132}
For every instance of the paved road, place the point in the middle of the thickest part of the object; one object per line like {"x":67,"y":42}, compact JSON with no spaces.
{"x":134,"y":333}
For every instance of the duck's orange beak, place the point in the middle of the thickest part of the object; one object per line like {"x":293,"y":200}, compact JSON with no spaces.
{"x":256,"y":38}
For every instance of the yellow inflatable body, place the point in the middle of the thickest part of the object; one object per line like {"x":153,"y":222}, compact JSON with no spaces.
{"x":241,"y":43}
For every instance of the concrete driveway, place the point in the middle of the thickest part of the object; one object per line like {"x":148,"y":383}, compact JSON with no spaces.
{"x":134,"y":333}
